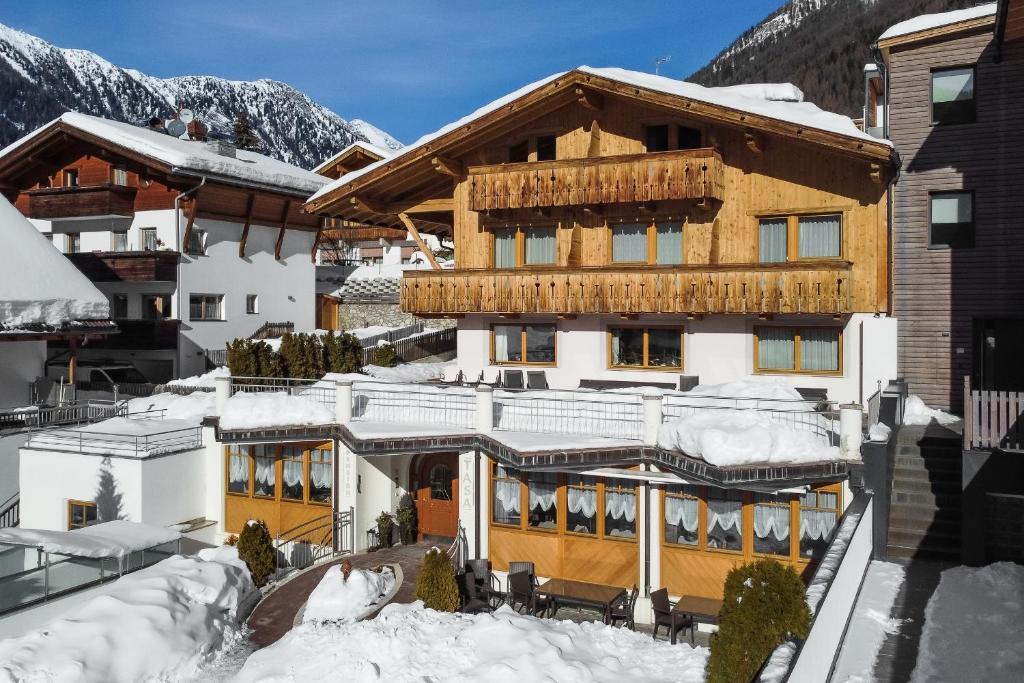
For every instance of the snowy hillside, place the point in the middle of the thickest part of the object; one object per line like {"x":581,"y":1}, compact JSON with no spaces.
{"x":41,"y":81}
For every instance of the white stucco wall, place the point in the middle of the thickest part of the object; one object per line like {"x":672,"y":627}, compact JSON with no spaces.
{"x":716,"y":349}
{"x":20,"y":364}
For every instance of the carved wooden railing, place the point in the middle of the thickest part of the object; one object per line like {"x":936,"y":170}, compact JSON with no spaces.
{"x":684,"y":174}
{"x":805,"y":287}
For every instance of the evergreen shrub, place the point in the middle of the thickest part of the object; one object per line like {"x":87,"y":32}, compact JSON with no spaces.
{"x":436,"y":585}
{"x":256,"y":549}
{"x":385,"y":356}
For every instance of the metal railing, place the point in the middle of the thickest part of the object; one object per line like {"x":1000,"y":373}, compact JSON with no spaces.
{"x":82,"y":441}
{"x":614,"y":415}
{"x":312,"y":389}
{"x":414,"y":403}
{"x":78,"y":412}
{"x":10,"y":511}
{"x":820,"y":418}
{"x":314,"y":541}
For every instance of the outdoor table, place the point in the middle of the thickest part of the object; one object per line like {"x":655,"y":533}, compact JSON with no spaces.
{"x":700,"y":610}
{"x":581,"y":594}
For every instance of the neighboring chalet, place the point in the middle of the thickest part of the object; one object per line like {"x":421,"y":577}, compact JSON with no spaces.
{"x":955,"y":84}
{"x":194,"y":243}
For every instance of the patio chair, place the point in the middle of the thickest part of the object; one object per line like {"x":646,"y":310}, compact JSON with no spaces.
{"x":536,"y":379}
{"x":623,"y":610}
{"x":513,"y":379}
{"x":471,"y":602}
{"x":524,"y":566}
{"x":487,"y":586}
{"x":523,"y":596}
{"x":663,"y":614}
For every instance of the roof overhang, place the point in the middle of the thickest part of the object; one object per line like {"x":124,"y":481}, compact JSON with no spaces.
{"x":886,"y":45}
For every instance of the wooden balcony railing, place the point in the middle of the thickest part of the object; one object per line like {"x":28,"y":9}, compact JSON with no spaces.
{"x":684,"y":174}
{"x":127,"y":266}
{"x":805,"y":287}
{"x":993,"y":419}
{"x":82,"y":201}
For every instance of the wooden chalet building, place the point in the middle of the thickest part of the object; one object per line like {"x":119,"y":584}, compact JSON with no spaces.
{"x":194,"y":243}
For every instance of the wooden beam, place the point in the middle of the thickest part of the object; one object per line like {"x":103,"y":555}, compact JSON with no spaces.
{"x":425,"y":206}
{"x":284,"y":226}
{"x":368,"y":205}
{"x":193,"y":205}
{"x":245,"y":228}
{"x":589,"y":99}
{"x":876,"y":173}
{"x":452,"y":167}
{"x":594,"y":148}
{"x":755,"y":141}
{"x":411,"y":227}
{"x":316,"y":239}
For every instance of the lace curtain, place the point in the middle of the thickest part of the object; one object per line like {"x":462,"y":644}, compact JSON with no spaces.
{"x":620,"y":504}
{"x":582,"y":502}
{"x":542,"y":494}
{"x":239,"y":468}
{"x":292,"y":473}
{"x":771,"y":519}
{"x":682,"y":512}
{"x":817,"y":524}
{"x":320,"y":474}
{"x":726,"y":514}
{"x":265,"y":475}
{"x":507,"y":494}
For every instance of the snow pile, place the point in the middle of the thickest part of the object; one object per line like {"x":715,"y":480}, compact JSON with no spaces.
{"x":116,"y":538}
{"x":929,"y":21}
{"x":37,"y":283}
{"x":408,"y":372}
{"x":256,"y":410}
{"x":407,"y":643}
{"x":125,"y":436}
{"x":208,"y":379}
{"x":870,"y":623}
{"x":160,"y":623}
{"x":192,"y":407}
{"x":917,"y":413}
{"x":972,"y":626}
{"x":335,"y":599}
{"x":772,"y":92}
{"x":879,"y":431}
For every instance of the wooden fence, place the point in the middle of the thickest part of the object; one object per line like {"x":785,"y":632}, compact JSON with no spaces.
{"x":993,"y":419}
{"x":420,"y":346}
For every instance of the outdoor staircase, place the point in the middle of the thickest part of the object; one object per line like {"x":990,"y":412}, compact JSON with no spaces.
{"x":924,"y":514}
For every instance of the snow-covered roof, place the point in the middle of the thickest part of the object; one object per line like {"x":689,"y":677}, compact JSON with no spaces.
{"x":773,"y":101}
{"x":116,"y":538}
{"x":38,"y":285}
{"x":185,"y":156}
{"x":925,"y":22}
{"x":373,"y":150}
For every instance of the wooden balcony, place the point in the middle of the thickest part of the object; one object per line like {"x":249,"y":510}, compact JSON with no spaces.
{"x":127,"y":266}
{"x":684,"y":174}
{"x":137,"y":335}
{"x":81,"y":202}
{"x":805,"y":287}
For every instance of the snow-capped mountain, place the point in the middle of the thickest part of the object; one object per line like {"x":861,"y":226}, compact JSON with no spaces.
{"x":40,"y":81}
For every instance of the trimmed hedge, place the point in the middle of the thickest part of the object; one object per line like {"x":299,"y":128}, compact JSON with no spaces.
{"x":256,"y":549}
{"x":436,"y":585}
{"x":303,"y":356}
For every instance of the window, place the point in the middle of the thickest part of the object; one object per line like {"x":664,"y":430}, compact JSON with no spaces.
{"x":70,"y":177}
{"x":292,"y":474}
{"x":646,"y":347}
{"x":523,"y":344}
{"x":321,"y":475}
{"x":787,"y":238}
{"x":505,"y":248}
{"x":656,"y":138}
{"x":542,"y":490}
{"x":519,"y":152}
{"x":119,"y":240}
{"x":534,"y":246}
{"x":81,"y":514}
{"x":265,"y":481}
{"x":546,"y":147}
{"x":147,"y":239}
{"x":206,"y":306}
{"x":238,"y":470}
{"x":196,"y":242}
{"x":819,"y":236}
{"x":819,"y":511}
{"x":682,"y":516}
{"x":619,"y":511}
{"x":507,"y":499}
{"x":772,"y":240}
{"x":629,"y":243}
{"x":951,"y":217}
{"x":119,"y":306}
{"x":658,"y":242}
{"x":725,"y":519}
{"x":539,"y":246}
{"x":795,"y":350}
{"x":581,"y":505}
{"x":119,"y":176}
{"x":668,"y":242}
{"x":771,"y":524}
{"x":689,"y":138}
{"x":252,"y":304}
{"x":440,"y":482}
{"x":953,"y":95}
{"x":73,"y":242}
{"x":156,"y":306}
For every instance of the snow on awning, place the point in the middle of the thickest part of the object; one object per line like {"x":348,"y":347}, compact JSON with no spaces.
{"x":107,"y":539}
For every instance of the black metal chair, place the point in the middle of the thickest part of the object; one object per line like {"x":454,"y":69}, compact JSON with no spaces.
{"x":522,"y":596}
{"x":536,"y":379}
{"x":513,"y":379}
{"x":523,"y":566}
{"x":623,"y":609}
{"x":487,"y":586}
{"x":471,"y":601}
{"x":663,"y":614}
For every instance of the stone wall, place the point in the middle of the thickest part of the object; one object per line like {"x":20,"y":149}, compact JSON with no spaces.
{"x":355,"y":315}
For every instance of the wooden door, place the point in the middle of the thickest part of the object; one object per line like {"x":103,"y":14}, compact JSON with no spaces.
{"x":326,"y":312}
{"x":437,"y":494}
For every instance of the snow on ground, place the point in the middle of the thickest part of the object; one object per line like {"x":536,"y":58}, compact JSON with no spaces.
{"x":256,"y":410}
{"x":408,"y":372}
{"x":160,"y":623}
{"x":116,"y":538}
{"x":927,"y":21}
{"x":192,"y":407}
{"x":917,"y":413}
{"x":337,"y":599}
{"x":205,"y":380}
{"x":407,"y":643}
{"x":972,"y":626}
{"x":870,"y":623}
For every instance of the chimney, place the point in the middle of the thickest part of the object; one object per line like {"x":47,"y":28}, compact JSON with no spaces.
{"x":223,"y":148}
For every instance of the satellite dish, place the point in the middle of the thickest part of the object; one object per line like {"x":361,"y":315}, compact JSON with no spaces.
{"x":186,"y":115}
{"x":176,"y":128}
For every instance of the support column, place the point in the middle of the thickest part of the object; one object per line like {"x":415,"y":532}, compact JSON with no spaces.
{"x":348,"y":496}
{"x":851,"y":430}
{"x":642,"y":611}
{"x":222,"y":387}
{"x":467,"y":500}
{"x":484,"y":505}
{"x":484,"y":409}
{"x":652,"y":418}
{"x":343,"y":401}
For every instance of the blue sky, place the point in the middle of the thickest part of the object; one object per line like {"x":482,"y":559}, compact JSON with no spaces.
{"x":408,"y":67}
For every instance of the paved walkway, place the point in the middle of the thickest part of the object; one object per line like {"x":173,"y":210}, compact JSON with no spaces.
{"x":275,"y":616}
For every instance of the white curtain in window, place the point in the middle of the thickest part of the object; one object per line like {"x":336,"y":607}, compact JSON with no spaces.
{"x":817,"y":524}
{"x":320,"y":474}
{"x":239,"y":468}
{"x":828,"y":500}
{"x":504,"y":248}
{"x":726,"y":514}
{"x":670,"y":242}
{"x":582,"y":502}
{"x":819,"y":349}
{"x":542,"y":494}
{"x":292,"y":472}
{"x":820,"y":236}
{"x":507,"y":494}
{"x":629,"y":242}
{"x":265,"y":472}
{"x":773,"y":240}
{"x":540,"y":246}
{"x":775,"y":348}
{"x":507,"y":338}
{"x":620,"y":504}
{"x":771,"y":519}
{"x":682,"y":512}
{"x":118,"y":241}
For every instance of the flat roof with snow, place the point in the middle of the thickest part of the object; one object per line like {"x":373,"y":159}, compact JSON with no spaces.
{"x":926,"y":22}
{"x":116,"y":538}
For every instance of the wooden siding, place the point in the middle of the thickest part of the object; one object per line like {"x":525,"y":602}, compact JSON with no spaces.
{"x":128,"y":266}
{"x":802,"y":287}
{"x":939,"y":292}
{"x":81,"y":202}
{"x":595,"y":560}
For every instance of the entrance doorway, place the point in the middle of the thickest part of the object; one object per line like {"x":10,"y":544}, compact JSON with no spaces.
{"x":436,"y":481}
{"x":998,"y":362}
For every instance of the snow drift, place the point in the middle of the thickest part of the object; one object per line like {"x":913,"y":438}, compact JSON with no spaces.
{"x":273,"y":409}
{"x":335,"y":599}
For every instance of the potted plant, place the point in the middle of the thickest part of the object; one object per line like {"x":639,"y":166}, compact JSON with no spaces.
{"x":406,"y":517}
{"x":385,"y":525}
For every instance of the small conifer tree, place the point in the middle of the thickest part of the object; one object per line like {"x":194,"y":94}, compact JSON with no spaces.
{"x":256,"y":549}
{"x":243,"y":134}
{"x":435,"y":585}
{"x":385,"y":355}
